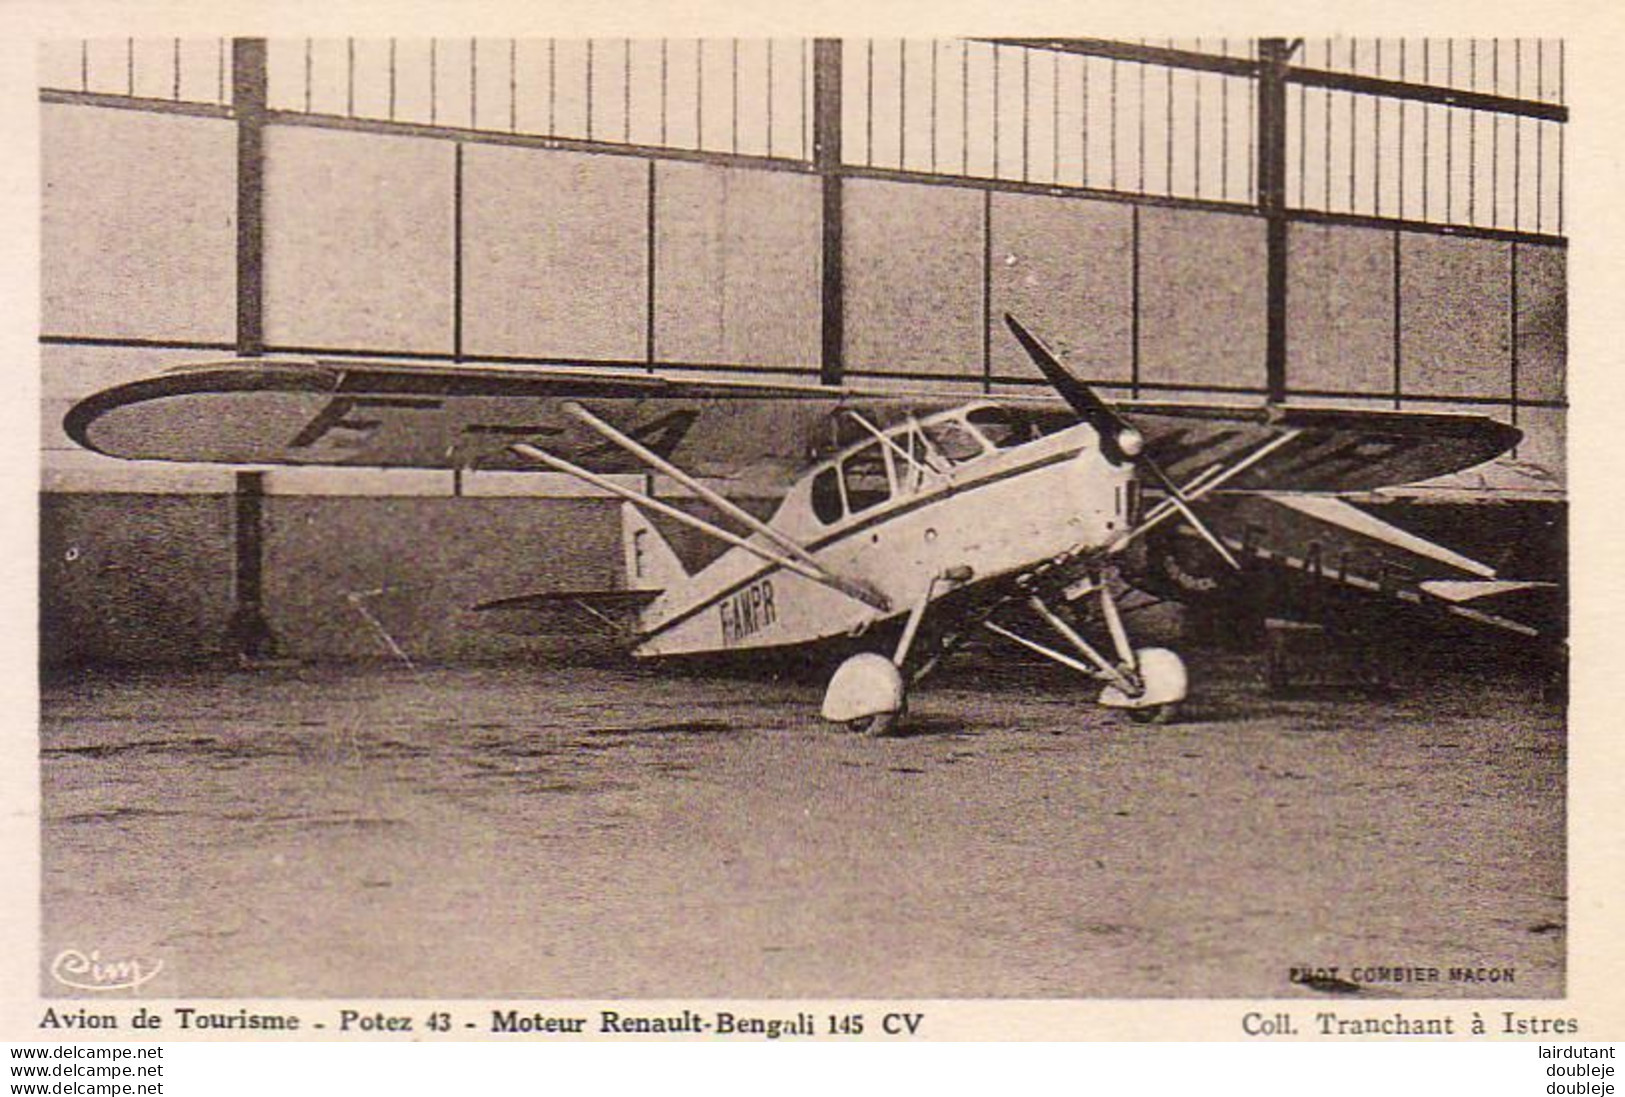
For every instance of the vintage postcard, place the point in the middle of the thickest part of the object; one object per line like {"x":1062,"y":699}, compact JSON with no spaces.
{"x":801,"y":532}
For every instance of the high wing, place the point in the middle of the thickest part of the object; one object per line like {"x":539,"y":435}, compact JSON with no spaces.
{"x":1303,"y":552}
{"x":1334,"y":450}
{"x":389,"y":415}
{"x":393,"y":415}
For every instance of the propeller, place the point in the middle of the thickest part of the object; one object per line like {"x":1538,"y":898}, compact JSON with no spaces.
{"x":1119,"y":441}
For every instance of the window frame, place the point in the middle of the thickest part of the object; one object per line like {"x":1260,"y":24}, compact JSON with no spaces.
{"x":862,"y":453}
{"x":838,"y":497}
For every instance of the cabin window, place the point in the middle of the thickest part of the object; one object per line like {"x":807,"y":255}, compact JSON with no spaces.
{"x":826,"y":497}
{"x":911,"y":469}
{"x":954,"y":441}
{"x":866,"y":479}
{"x":1003,"y":427}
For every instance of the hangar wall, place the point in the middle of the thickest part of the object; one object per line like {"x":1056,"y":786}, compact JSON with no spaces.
{"x":436,"y":243}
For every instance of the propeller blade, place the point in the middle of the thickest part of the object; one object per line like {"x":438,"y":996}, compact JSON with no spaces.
{"x":1112,"y":428}
{"x":1080,"y":397}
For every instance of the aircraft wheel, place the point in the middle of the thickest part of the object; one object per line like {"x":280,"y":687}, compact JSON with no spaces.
{"x":882,"y":725}
{"x":1163,"y":681}
{"x":867,"y":695}
{"x":1153,"y":714}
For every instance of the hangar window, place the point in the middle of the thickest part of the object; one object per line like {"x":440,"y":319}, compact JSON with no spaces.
{"x":867,"y":481}
{"x":826,"y":497}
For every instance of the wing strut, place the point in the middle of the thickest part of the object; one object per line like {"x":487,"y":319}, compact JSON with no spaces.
{"x":1209,"y":480}
{"x":818,"y":575}
{"x":716,"y":499}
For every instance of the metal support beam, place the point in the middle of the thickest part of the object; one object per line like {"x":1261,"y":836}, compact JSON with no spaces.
{"x":1115,"y":50}
{"x":1356,"y":83}
{"x":457,"y":252}
{"x":1274,"y":54}
{"x":827,"y":162}
{"x":248,"y":635}
{"x":248,"y":82}
{"x":1428,"y":93}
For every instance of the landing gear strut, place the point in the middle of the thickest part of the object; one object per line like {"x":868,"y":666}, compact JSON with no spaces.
{"x":867,"y":692}
{"x":1146,"y":683}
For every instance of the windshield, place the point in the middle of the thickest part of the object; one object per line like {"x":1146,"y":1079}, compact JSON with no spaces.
{"x":866,"y":479}
{"x":953,"y":440}
{"x":1003,"y":427}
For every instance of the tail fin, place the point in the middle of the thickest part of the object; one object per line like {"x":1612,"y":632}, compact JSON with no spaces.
{"x":650,"y":562}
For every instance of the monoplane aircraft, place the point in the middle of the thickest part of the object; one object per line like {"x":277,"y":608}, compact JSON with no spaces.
{"x":905,"y":523}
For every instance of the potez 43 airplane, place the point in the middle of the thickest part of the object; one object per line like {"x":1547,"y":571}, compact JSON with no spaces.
{"x":907,"y":523}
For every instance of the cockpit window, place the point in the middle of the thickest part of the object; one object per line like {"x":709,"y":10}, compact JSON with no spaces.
{"x":907,"y":441}
{"x":953,"y":441}
{"x":1003,"y":427}
{"x":866,"y":479}
{"x":911,"y":458}
{"x":826,"y":497}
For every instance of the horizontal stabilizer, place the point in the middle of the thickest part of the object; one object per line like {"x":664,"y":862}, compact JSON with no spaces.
{"x":565,"y":611}
{"x":1468,"y":590}
{"x":1346,"y":516}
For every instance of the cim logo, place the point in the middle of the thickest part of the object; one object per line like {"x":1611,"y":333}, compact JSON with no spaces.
{"x":83,"y":971}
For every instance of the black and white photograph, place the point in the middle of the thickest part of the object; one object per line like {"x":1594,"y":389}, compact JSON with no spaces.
{"x":688,"y":519}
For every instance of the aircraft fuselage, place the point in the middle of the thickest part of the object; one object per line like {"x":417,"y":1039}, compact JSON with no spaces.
{"x":892,"y":513}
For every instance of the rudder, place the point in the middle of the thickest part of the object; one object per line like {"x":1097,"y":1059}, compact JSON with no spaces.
{"x":649,"y":560}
